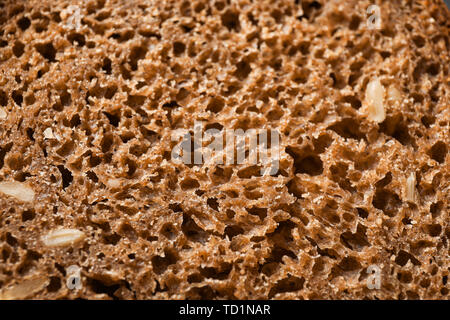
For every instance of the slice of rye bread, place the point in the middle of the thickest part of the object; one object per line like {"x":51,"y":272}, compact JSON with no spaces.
{"x":90,"y":95}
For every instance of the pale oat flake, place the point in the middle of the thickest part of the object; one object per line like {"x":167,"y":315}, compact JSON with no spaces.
{"x":62,"y":237}
{"x":19,"y":190}
{"x":24,"y":289}
{"x":375,"y":101}
{"x":3,"y":114}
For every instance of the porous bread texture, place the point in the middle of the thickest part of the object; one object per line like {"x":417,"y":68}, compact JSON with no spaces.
{"x":87,"y":113}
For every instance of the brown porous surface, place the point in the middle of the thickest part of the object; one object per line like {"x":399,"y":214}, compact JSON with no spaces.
{"x":91,"y":93}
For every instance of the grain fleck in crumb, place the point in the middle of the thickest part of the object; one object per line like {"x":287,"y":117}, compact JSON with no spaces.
{"x":24,"y":289}
{"x":3,"y":114}
{"x":48,"y":134}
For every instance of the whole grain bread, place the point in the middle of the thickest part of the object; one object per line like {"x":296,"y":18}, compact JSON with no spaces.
{"x":92,"y":91}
